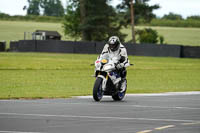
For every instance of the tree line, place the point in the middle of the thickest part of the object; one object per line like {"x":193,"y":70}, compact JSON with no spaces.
{"x":92,"y":19}
{"x":48,"y":7}
{"x":96,"y":20}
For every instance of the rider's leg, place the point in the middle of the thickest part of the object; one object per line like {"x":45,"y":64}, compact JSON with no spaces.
{"x":123,"y":74}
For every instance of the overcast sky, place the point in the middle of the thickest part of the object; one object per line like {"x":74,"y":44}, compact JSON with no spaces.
{"x":183,"y":7}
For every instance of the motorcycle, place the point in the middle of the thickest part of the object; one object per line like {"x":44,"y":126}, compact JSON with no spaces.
{"x":108,"y":80}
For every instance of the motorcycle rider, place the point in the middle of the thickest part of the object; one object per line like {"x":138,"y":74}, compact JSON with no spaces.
{"x":114,"y":49}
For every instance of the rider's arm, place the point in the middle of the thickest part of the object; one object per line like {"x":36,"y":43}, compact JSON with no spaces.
{"x":124,"y":57}
{"x":123,"y":62}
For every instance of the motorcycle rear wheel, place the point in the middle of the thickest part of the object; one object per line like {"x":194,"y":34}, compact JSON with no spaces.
{"x":119,"y":95}
{"x":97,"y":90}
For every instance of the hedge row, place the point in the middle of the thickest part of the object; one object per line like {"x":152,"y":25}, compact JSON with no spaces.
{"x":175,"y":23}
{"x":154,"y":22}
{"x":30,"y":18}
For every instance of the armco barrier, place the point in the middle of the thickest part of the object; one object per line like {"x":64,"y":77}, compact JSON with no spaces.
{"x":27,"y":46}
{"x":46,"y":46}
{"x":54,"y":46}
{"x":190,"y":52}
{"x":85,"y":47}
{"x":99,"y":47}
{"x":153,"y":50}
{"x":14,"y":45}
{"x":96,"y":48}
{"x":66,"y":46}
{"x":2,"y":46}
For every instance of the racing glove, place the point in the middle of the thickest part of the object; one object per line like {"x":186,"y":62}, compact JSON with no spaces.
{"x":119,"y":65}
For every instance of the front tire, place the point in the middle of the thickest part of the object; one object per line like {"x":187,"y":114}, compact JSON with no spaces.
{"x":97,"y":90}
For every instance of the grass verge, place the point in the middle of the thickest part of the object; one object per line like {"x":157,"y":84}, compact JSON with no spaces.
{"x":44,"y":75}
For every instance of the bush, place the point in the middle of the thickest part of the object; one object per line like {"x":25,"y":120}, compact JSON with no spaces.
{"x":161,"y":39}
{"x":172,"y":16}
{"x":147,"y":35}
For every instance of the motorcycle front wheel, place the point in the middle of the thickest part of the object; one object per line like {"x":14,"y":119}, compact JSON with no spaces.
{"x":97,"y":90}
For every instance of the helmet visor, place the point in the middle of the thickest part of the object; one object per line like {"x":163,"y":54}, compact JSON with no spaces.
{"x":113,"y":47}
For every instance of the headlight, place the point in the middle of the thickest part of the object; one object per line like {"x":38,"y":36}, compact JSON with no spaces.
{"x":98,"y":65}
{"x":107,"y":67}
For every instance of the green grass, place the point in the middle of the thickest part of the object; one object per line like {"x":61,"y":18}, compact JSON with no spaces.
{"x":43,"y":75}
{"x":172,"y":35}
{"x":14,"y":30}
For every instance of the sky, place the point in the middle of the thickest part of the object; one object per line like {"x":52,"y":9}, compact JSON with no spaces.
{"x":182,"y":7}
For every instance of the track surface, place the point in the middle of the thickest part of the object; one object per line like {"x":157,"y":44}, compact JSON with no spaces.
{"x":159,"y":113}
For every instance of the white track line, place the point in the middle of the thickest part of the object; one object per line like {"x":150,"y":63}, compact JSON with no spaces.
{"x":145,"y":131}
{"x":17,"y":132}
{"x":155,"y":94}
{"x":168,"y":94}
{"x":97,"y":117}
{"x":95,"y":104}
{"x":164,"y":127}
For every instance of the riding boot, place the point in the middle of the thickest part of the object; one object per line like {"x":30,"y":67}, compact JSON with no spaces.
{"x":123,"y":85}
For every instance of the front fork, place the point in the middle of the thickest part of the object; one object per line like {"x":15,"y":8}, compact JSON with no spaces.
{"x":105,"y":79}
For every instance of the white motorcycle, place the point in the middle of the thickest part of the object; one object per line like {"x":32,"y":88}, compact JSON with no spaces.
{"x":108,"y":80}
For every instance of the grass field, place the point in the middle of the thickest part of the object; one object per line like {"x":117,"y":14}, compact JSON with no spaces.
{"x":182,"y":36}
{"x":14,"y":30}
{"x":43,"y":75}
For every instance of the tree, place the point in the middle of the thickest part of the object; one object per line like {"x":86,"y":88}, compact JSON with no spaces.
{"x":91,"y":20}
{"x":52,"y":8}
{"x":172,"y":16}
{"x":83,"y":18}
{"x":142,"y":11}
{"x":72,"y":20}
{"x":34,"y":7}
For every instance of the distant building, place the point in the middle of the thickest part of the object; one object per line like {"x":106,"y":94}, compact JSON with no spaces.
{"x":46,"y":35}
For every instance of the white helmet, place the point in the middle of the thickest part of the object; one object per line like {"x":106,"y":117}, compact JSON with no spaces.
{"x":114,"y":43}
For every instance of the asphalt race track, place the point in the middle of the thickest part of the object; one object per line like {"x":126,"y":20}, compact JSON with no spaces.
{"x":155,"y":113}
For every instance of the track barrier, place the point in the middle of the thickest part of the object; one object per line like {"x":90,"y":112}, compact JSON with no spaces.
{"x":58,"y":46}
